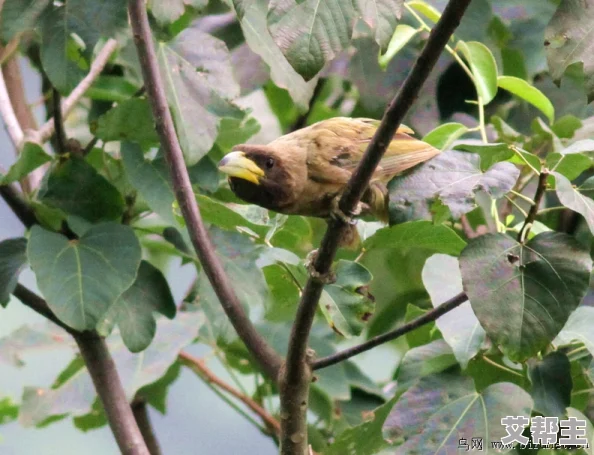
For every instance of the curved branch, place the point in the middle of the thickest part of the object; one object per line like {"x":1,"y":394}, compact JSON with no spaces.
{"x":296,"y":373}
{"x":141,"y":414}
{"x":103,"y":372}
{"x":540,"y":191}
{"x":428,"y":317}
{"x":15,"y":201}
{"x":15,"y":132}
{"x":266,"y":357}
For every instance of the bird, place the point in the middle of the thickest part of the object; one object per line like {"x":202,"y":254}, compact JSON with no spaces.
{"x":306,"y":171}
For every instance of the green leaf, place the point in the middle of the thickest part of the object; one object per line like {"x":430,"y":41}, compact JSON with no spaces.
{"x":536,"y":286}
{"x":131,"y":120}
{"x":112,"y":88}
{"x":75,"y":187}
{"x":460,"y":327}
{"x":31,"y":157}
{"x":151,"y":179}
{"x":19,"y":16}
{"x":568,"y":39}
{"x":551,"y":384}
{"x":425,"y":360}
{"x":566,"y":126}
{"x":310,"y":36}
{"x":421,"y":335}
{"x":168,"y":12}
{"x":489,"y":153}
{"x":76,"y":394}
{"x":402,"y":35}
{"x":529,"y":93}
{"x":13,"y":259}
{"x":418,"y":234}
{"x":252,"y":15}
{"x":133,"y":310}
{"x":81,"y":279}
{"x":347,"y":304}
{"x":433,"y":415}
{"x":284,"y":293}
{"x":61,"y":57}
{"x":578,"y":327}
{"x":483,"y":68}
{"x":453,"y":177}
{"x":363,"y":439}
{"x":574,"y":199}
{"x":425,"y":9}
{"x":570,"y":165}
{"x":199,"y":85}
{"x":444,"y":135}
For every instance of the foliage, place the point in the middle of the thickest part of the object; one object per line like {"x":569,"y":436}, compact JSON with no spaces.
{"x":504,"y":214}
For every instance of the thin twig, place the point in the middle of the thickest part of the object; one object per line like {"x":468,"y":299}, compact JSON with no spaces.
{"x":199,"y":366}
{"x":467,"y":227}
{"x":540,"y":191}
{"x":301,"y":120}
{"x":294,"y":386}
{"x":11,"y":122}
{"x":17,"y":203}
{"x":426,"y":318}
{"x":141,"y":414}
{"x":103,"y":372}
{"x":47,"y":130}
{"x":263,"y":353}
{"x":58,"y":122}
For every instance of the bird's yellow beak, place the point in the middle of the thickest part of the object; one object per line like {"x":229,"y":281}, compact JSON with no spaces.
{"x":236,"y":164}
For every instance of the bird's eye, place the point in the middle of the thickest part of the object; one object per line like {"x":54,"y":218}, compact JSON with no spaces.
{"x":270,"y":163}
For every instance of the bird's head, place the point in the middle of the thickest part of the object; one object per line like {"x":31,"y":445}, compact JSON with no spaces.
{"x":257,"y":175}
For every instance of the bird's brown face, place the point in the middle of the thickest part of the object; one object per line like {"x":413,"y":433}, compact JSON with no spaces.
{"x":256,"y":176}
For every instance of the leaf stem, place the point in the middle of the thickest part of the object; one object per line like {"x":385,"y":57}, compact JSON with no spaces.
{"x":501,"y":367}
{"x":540,"y":191}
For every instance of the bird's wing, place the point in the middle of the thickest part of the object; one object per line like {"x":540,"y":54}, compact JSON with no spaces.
{"x":341,"y":142}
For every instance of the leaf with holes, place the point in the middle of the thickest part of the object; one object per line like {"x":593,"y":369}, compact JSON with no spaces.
{"x":460,"y":327}
{"x":576,"y":199}
{"x":454,"y":178}
{"x":536,"y":286}
{"x":81,"y":279}
{"x":440,"y":410}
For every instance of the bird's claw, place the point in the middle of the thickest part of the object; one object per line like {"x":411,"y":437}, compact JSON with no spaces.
{"x":338,"y":214}
{"x":325,"y":278}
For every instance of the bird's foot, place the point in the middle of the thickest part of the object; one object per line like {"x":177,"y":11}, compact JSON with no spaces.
{"x":325,"y":278}
{"x":337,"y":213}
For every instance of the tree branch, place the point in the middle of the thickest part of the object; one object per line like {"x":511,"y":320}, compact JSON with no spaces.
{"x":15,"y":201}
{"x":140,"y":411}
{"x":48,"y":128}
{"x":7,"y":112}
{"x":540,"y":191}
{"x":293,"y":384}
{"x":58,"y":122}
{"x":266,"y":357}
{"x":428,"y":317}
{"x":200,"y":368}
{"x":103,"y":372}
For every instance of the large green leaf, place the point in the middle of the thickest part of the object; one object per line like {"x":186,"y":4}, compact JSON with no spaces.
{"x":61,"y":55}
{"x":440,"y":410}
{"x":454,"y":178}
{"x":536,"y":286}
{"x":529,"y":93}
{"x":578,"y":328}
{"x":489,"y":153}
{"x":31,"y":157}
{"x":81,"y":279}
{"x":363,"y":439}
{"x":572,"y":160}
{"x":418,"y":234}
{"x":311,"y":33}
{"x":576,"y":199}
{"x":19,"y":16}
{"x":460,"y":327}
{"x":151,"y":179}
{"x":13,"y":258}
{"x":133,"y":310}
{"x":569,"y":39}
{"x":425,"y":360}
{"x":75,"y":393}
{"x":551,"y":384}
{"x":443,"y":136}
{"x":252,"y":15}
{"x":130,"y":120}
{"x":75,"y":187}
{"x":172,"y":10}
{"x":199,"y":85}
{"x":483,"y":67}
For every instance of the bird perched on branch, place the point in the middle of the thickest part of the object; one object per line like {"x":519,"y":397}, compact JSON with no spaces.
{"x":305,"y":172}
